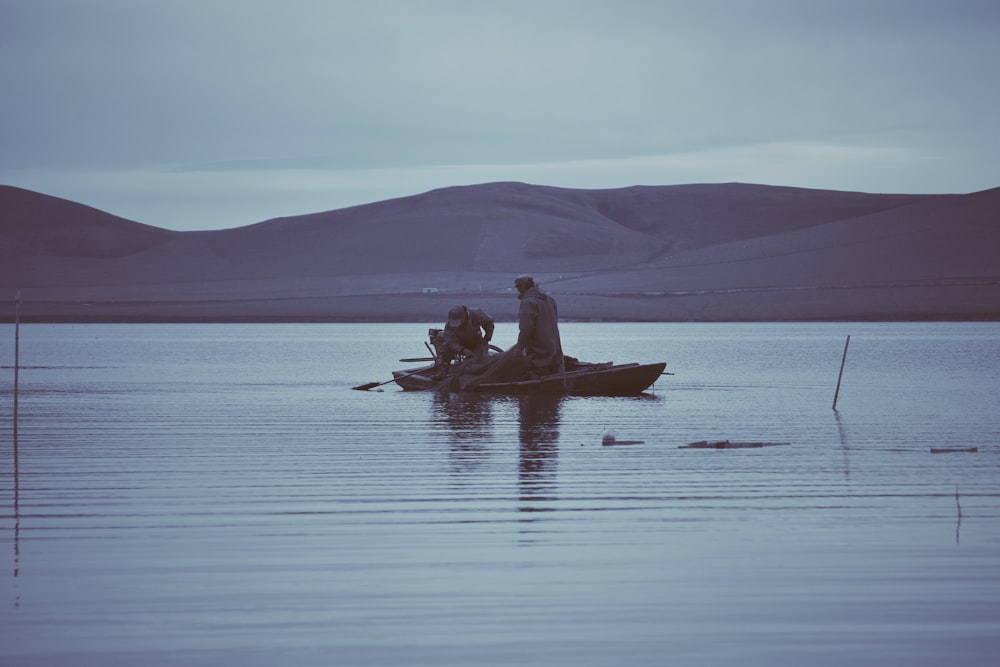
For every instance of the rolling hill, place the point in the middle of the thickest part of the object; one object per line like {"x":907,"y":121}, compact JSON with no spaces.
{"x":686,"y":252}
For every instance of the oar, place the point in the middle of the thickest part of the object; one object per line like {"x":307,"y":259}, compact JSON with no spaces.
{"x":417,"y":359}
{"x":372,"y":385}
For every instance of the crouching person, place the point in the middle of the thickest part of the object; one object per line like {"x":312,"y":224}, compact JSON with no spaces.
{"x":467,"y":334}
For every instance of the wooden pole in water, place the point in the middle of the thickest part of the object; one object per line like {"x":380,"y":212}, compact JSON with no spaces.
{"x":17,"y":364}
{"x":841,"y":374}
{"x":17,"y":507}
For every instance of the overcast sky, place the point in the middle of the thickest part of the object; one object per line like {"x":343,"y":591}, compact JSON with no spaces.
{"x":199,"y":114}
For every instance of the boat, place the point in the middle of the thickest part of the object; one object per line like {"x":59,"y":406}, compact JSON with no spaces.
{"x":585,"y":379}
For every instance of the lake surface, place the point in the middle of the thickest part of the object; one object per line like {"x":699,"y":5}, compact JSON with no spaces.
{"x":218,"y":495}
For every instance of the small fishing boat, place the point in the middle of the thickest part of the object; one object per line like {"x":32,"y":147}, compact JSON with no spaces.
{"x":499,"y":372}
{"x":586,"y":379}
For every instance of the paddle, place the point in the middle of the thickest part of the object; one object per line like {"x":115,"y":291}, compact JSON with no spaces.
{"x":417,"y":359}
{"x":372,"y":385}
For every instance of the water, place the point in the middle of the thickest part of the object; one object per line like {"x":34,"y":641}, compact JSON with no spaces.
{"x":218,"y":495}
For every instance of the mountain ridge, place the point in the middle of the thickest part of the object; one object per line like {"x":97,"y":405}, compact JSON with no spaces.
{"x":653,"y":251}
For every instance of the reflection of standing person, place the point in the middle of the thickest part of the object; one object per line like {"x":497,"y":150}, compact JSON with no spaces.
{"x":539,"y":435}
{"x":538,"y":323}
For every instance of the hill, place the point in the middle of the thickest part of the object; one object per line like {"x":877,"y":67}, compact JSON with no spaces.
{"x":687,"y":252}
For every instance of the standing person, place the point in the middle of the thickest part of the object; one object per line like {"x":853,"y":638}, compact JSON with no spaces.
{"x":538,"y":328}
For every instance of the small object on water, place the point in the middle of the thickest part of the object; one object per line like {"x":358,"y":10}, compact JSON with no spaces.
{"x":950,"y":450}
{"x":727,"y":444}
{"x":609,"y":440}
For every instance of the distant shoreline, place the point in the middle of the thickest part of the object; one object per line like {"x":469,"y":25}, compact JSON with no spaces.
{"x":897,"y":304}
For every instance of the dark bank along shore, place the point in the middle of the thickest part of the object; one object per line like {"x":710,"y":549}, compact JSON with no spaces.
{"x":919,"y":303}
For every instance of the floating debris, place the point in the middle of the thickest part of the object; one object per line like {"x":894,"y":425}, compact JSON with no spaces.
{"x":728,"y":444}
{"x":609,"y":440}
{"x":951,"y":450}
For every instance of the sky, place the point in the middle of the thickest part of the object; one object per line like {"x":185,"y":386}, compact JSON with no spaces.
{"x":206,"y":114}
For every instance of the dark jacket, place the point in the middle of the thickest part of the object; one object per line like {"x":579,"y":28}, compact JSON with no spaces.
{"x":538,"y":322}
{"x":468,"y":334}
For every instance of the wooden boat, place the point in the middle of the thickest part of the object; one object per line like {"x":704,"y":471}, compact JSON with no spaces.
{"x":605,"y":379}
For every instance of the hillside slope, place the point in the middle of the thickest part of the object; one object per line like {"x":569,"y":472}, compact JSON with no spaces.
{"x":936,"y":240}
{"x":629,"y":245}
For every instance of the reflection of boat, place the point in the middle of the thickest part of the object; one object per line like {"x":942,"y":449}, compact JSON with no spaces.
{"x":605,"y":379}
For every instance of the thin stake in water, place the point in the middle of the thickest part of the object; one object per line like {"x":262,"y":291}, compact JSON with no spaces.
{"x":958,"y":525}
{"x":841,"y":374}
{"x":17,"y":365}
{"x":17,"y":507}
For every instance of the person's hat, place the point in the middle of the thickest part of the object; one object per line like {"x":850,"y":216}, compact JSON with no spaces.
{"x":456,"y":316}
{"x":524,"y":280}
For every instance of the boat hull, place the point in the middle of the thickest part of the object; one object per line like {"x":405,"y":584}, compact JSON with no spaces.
{"x":602,"y":380}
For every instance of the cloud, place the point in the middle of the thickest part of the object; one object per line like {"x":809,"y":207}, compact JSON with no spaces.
{"x":144,"y":107}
